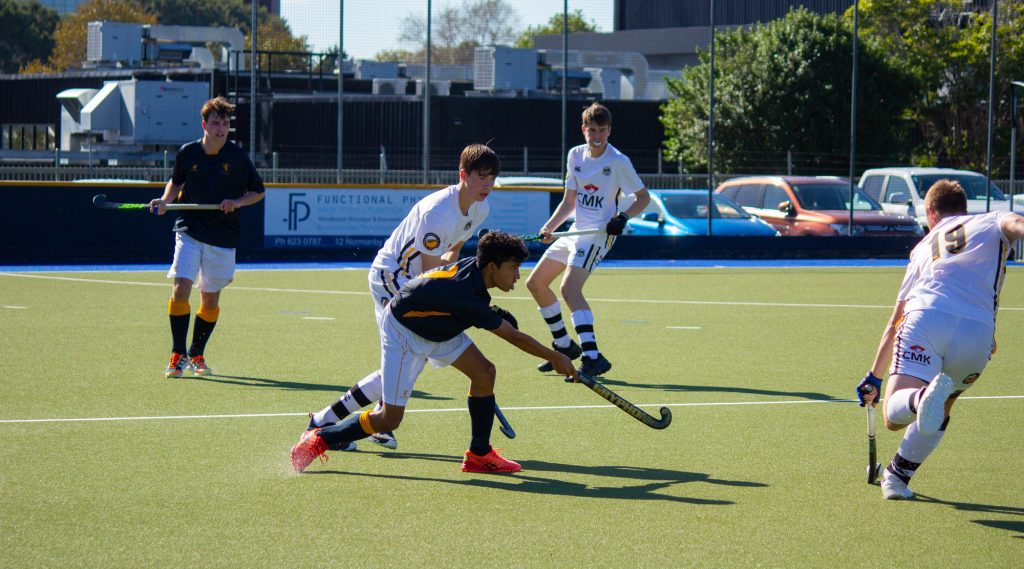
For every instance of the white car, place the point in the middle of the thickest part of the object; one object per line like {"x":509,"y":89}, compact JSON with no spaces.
{"x":901,"y":190}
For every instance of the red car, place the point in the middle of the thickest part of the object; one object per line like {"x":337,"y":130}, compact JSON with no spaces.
{"x":808,"y":205}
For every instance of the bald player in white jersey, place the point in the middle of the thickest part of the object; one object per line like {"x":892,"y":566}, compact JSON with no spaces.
{"x":942,"y":331}
{"x":597,"y":176}
{"x":431,"y":235}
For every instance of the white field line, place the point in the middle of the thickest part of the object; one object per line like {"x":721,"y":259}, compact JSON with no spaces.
{"x":619,"y":300}
{"x":317,"y":318}
{"x":463,"y":410}
{"x":683,"y":327}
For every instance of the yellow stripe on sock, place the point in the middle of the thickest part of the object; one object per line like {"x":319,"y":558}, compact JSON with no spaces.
{"x":178,"y":308}
{"x":208,"y":314}
{"x":364,"y":422}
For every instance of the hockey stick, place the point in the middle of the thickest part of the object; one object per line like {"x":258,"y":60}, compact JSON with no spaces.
{"x":505,"y":428}
{"x":538,"y":236}
{"x":629,"y":408}
{"x":874,"y":468}
{"x":101,"y":202}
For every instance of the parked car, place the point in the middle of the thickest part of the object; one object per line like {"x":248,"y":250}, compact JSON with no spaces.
{"x":685,"y":212}
{"x":808,"y":205}
{"x":901,"y":190}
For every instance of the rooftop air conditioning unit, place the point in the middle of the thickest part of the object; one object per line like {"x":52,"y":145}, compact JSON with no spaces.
{"x":439,"y":87}
{"x":389,"y":86}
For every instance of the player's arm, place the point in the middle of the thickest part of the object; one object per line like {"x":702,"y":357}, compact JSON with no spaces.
{"x":643,"y":199}
{"x":561,"y":213}
{"x":528,"y":344}
{"x":1012,"y":225}
{"x":171,"y":192}
{"x":452,"y":254}
{"x":883,"y":356}
{"x":248,"y":198}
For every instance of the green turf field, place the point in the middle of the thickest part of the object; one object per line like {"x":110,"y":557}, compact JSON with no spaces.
{"x":763,"y":465}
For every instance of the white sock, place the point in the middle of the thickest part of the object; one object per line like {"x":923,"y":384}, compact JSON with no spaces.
{"x":553,"y":317}
{"x":901,"y":406}
{"x":583,"y":321}
{"x":325,"y":416}
{"x":914,"y":449}
{"x":368,"y":390}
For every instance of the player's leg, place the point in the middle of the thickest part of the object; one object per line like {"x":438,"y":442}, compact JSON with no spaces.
{"x":216,"y":271}
{"x":551,"y":264}
{"x":591,"y":252}
{"x":481,"y":456}
{"x":383,"y":287}
{"x":184,"y":269}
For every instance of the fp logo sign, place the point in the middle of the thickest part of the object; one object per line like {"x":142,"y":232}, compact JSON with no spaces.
{"x":298,"y":210}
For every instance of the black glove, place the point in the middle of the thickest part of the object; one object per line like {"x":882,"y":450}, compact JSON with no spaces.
{"x":617,"y":224}
{"x":506,"y":315}
{"x":868,"y":387}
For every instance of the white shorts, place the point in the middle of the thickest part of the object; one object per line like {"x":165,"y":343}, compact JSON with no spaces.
{"x":583,"y":251}
{"x":215,"y":266}
{"x":930,"y":341}
{"x":383,"y":287}
{"x":403,"y":354}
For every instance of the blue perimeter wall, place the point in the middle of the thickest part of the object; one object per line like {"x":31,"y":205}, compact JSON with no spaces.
{"x":57,"y":224}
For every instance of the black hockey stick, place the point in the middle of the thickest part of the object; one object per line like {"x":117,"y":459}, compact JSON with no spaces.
{"x":629,"y":408}
{"x":538,"y":236}
{"x":874,"y":468}
{"x":505,"y":428}
{"x":101,"y":202}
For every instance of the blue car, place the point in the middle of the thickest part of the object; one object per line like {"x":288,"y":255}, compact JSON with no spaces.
{"x":685,"y":212}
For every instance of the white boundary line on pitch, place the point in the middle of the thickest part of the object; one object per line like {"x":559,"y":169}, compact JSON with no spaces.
{"x":463,"y":410}
{"x":618,"y":300}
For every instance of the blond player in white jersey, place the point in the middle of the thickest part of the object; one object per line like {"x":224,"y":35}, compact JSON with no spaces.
{"x":942,"y":330}
{"x":431,"y":235}
{"x":597,"y":176}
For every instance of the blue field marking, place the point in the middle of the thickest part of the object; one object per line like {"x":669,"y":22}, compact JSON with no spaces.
{"x":609,"y":264}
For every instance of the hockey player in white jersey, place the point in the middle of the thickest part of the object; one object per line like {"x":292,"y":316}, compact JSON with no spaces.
{"x":431,"y":235}
{"x":597,"y":176}
{"x":941,"y":333}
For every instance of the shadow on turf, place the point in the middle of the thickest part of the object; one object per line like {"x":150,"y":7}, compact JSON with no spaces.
{"x":1008,"y":525}
{"x":677,"y":388}
{"x":658,"y":478}
{"x":279,"y":384}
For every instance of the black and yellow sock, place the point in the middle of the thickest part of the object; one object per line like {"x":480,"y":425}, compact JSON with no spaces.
{"x":206,"y":319}
{"x":179,"y":313}
{"x":348,"y":431}
{"x":481,"y":417}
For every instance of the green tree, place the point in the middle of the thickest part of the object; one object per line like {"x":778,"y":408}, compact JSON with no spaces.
{"x":785,"y":86}
{"x":69,"y":48}
{"x":456,"y":32}
{"x":28,"y":33}
{"x":577,"y":23}
{"x":946,"y":49}
{"x":214,"y":13}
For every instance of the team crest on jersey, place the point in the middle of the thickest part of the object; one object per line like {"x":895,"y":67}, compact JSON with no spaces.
{"x":467,"y":226}
{"x":431,"y":241}
{"x":226,"y":166}
{"x":577,"y":169}
{"x":607,"y":171}
{"x":971,"y":378}
{"x":195,"y":167}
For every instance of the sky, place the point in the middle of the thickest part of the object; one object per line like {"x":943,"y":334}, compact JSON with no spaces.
{"x":374,"y":25}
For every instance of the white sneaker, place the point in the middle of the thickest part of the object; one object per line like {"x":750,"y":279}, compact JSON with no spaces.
{"x":893,"y":488}
{"x":931,"y":411}
{"x":385,"y":439}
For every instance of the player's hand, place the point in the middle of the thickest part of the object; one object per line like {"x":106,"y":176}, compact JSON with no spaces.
{"x":617,"y":224}
{"x":157,"y":206}
{"x":563,"y":365}
{"x":867,"y":387}
{"x":228,"y":206}
{"x":506,"y":315}
{"x":547,"y":239}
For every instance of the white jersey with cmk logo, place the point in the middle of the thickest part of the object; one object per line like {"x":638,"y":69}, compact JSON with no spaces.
{"x":598,"y":183}
{"x":432,"y":227}
{"x":959,"y":267}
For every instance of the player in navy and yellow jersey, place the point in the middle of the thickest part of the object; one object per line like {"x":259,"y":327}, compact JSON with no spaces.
{"x":597,"y":176}
{"x":941,"y":334}
{"x":211,"y":170}
{"x":427,"y":319}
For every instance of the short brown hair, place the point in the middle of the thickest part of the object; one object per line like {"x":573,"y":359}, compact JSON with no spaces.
{"x":946,"y":197}
{"x":597,"y":114}
{"x":217,"y":106}
{"x":481,"y":159}
{"x":498,"y":247}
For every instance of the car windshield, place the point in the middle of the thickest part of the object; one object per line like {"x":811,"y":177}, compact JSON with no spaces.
{"x":973,"y":185}
{"x":832,"y":196}
{"x":691,"y":206}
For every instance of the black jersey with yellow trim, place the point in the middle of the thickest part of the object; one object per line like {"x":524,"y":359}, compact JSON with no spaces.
{"x":211,"y":179}
{"x":440,"y":304}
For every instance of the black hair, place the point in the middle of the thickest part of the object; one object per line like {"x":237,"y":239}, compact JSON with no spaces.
{"x":498,"y":247}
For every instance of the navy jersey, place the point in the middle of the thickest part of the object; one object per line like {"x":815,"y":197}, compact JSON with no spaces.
{"x":211,"y":179}
{"x":440,"y":304}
